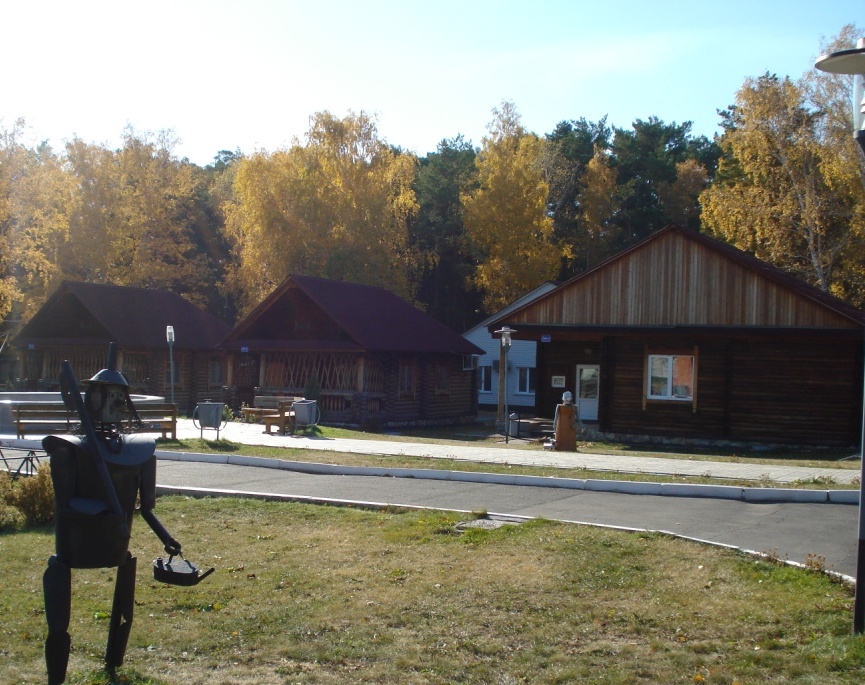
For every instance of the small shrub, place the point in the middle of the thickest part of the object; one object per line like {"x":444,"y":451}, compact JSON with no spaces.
{"x":34,"y":497}
{"x":312,"y":388}
{"x":6,"y":486}
{"x":10,"y":517}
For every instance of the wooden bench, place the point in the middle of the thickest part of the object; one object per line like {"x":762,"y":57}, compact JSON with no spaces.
{"x":282,"y":418}
{"x":42,"y":418}
{"x":159,"y":414}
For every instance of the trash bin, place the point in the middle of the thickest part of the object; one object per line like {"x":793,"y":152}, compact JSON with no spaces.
{"x":208,"y":414}
{"x":514,"y":425}
{"x":306,"y":413}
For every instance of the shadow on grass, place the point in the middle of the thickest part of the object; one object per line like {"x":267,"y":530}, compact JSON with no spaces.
{"x":219,"y":446}
{"x":198,"y":444}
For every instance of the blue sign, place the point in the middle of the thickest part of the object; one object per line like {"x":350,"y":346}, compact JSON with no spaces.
{"x":546,"y":338}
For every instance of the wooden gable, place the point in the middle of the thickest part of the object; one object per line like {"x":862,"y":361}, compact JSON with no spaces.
{"x":678,"y":277}
{"x":292,"y":317}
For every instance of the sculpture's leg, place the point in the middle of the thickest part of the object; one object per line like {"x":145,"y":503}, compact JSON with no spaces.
{"x":57,"y":590}
{"x":121,"y":614}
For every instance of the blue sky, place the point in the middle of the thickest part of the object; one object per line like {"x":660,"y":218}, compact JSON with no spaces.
{"x":248,"y":74}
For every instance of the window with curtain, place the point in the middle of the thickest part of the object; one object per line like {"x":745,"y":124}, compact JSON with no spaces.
{"x":670,"y":377}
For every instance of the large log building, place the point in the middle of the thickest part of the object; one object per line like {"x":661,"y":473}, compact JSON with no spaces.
{"x":685,"y":336}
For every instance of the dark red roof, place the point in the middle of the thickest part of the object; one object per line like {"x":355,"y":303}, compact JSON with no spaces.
{"x":135,"y":318}
{"x":369,"y":318}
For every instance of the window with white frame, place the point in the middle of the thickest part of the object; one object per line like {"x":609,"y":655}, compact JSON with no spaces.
{"x":526,"y":380}
{"x":485,"y":378}
{"x":670,"y":377}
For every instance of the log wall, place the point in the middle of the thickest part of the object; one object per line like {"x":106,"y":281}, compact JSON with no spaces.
{"x":773,"y":389}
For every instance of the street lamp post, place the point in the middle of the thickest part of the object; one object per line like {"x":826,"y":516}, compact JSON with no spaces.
{"x":169,"y":336}
{"x":852,"y":62}
{"x":504,"y":417}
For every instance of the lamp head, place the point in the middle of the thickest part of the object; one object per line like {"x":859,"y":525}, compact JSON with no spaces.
{"x":505,"y":333}
{"x":850,"y":62}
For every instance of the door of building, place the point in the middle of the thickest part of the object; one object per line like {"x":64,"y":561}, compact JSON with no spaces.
{"x":245,"y":378}
{"x":588,"y":384}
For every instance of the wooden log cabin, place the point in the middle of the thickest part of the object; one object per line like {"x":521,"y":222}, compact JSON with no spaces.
{"x":78,"y":320}
{"x":366,"y":356}
{"x":684,"y":336}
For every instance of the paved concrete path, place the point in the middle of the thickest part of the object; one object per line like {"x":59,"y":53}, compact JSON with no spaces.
{"x":515,"y":453}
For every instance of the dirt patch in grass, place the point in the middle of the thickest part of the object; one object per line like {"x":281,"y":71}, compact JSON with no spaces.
{"x":312,"y":594}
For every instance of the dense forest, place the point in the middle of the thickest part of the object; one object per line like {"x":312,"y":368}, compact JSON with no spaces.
{"x":459,"y":232}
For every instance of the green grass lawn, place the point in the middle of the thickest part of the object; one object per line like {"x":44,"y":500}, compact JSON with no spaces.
{"x":315,"y":594}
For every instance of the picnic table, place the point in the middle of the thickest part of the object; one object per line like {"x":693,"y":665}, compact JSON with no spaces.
{"x":265,"y":404}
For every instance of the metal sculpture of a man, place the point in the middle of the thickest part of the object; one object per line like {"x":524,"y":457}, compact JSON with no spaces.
{"x":98,"y":476}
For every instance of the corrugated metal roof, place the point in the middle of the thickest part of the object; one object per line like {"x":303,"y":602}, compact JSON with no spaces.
{"x":134,"y":318}
{"x":372,"y":318}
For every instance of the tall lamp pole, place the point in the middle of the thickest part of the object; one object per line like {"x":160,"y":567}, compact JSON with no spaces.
{"x":505,"y":334}
{"x":852,"y":62}
{"x":169,"y":336}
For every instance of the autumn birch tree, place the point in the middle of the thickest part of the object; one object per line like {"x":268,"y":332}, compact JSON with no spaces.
{"x":506,"y":218}
{"x":788,"y":187}
{"x":830,"y":95}
{"x":8,"y":154}
{"x":133,"y":217}
{"x":34,"y":194}
{"x":336,"y":206}
{"x":598,"y":202}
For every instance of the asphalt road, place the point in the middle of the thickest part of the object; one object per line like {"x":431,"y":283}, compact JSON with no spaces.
{"x":796,"y":532}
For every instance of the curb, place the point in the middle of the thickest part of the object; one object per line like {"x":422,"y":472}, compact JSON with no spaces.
{"x":758,"y":495}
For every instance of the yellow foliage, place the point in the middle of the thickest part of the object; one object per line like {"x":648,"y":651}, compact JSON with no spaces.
{"x":786,"y":189}
{"x":337,"y":207}
{"x":34,"y":192}
{"x":506,"y":218}
{"x":130,"y":223}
